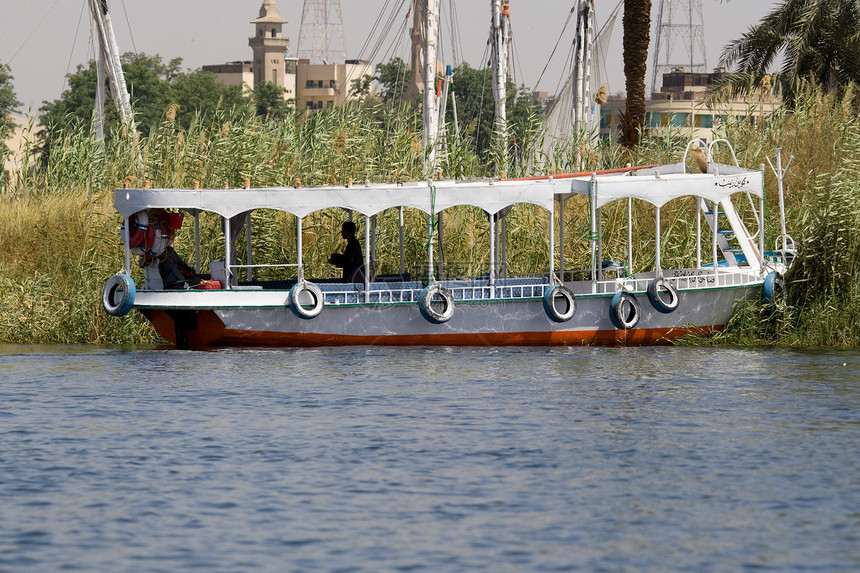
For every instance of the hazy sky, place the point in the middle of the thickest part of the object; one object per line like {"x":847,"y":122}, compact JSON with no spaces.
{"x":46,"y":39}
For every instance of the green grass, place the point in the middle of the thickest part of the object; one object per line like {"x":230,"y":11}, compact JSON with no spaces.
{"x":59,"y":235}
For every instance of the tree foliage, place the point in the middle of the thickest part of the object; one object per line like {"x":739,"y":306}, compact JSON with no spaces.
{"x":819,"y":40}
{"x":269,"y":101}
{"x":476,"y":107}
{"x":154,"y":86}
{"x":393,"y":79}
{"x":8,"y":104}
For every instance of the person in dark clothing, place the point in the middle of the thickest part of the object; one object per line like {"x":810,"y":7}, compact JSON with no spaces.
{"x":176,"y":273}
{"x":351,"y":260}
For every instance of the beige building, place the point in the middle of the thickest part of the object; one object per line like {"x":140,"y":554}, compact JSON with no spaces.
{"x":680,"y":105}
{"x":323,"y":85}
{"x":309,"y":86}
{"x":18,"y":139}
{"x":234,"y":74}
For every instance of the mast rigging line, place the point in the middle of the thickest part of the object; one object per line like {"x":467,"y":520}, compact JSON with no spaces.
{"x":385,"y":31}
{"x":389,"y":52}
{"x":557,"y":42}
{"x":32,"y":31}
{"x":456,"y":37}
{"x":74,"y":43}
{"x":128,"y":25}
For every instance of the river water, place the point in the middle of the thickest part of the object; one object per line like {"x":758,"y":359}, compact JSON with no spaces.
{"x":391,"y":459}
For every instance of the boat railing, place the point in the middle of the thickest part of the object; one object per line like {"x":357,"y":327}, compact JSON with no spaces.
{"x":409,"y":292}
{"x":266,"y":266}
{"x":680,"y":279}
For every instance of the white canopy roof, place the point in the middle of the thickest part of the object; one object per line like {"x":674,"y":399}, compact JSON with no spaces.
{"x":434,"y":196}
{"x":659,"y":187}
{"x":656,"y":185}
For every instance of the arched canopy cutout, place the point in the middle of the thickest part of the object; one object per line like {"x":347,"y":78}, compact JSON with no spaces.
{"x":658,"y":187}
{"x":429,"y":197}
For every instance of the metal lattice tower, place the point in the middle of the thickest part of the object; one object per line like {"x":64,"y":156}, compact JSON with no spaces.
{"x":679,"y":20}
{"x":321,"y":37}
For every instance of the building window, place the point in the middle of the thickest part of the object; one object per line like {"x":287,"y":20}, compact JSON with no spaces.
{"x":705,"y":120}
{"x":309,"y":84}
{"x":331,"y":84}
{"x":319,"y":83}
{"x":605,"y":119}
{"x":680,"y":120}
{"x":319,"y":104}
{"x":275,"y":76}
{"x":329,"y":103}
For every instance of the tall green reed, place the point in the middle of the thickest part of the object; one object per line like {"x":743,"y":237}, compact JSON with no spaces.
{"x":61,"y":216}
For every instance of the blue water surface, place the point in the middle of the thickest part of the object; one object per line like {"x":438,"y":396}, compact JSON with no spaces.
{"x":390,"y":459}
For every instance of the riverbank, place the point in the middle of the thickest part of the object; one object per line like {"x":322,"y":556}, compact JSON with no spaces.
{"x":59,"y":235}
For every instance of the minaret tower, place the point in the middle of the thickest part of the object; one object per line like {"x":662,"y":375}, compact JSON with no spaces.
{"x":269,"y":45}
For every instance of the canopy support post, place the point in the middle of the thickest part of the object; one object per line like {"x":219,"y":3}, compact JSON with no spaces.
{"x":700,"y":205}
{"x":402,"y":248}
{"x":761,"y":220}
{"x":228,"y":234}
{"x":300,"y":274}
{"x":716,"y":229}
{"x":367,"y":223}
{"x":592,"y":198}
{"x":197,"y":240}
{"x":600,"y":243}
{"x":430,"y":263}
{"x":629,"y":235}
{"x":125,"y":238}
{"x":250,"y":262}
{"x":441,"y":235}
{"x":561,"y":237}
{"x":551,"y":244}
{"x":657,"y":266}
{"x":503,"y":246}
{"x":492,"y":218}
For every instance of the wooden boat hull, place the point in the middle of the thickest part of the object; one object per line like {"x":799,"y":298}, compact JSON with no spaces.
{"x":261,"y":321}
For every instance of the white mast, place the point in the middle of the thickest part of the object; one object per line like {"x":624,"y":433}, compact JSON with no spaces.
{"x":500,"y":36}
{"x":430,"y":30}
{"x":109,"y":61}
{"x":582,"y":66}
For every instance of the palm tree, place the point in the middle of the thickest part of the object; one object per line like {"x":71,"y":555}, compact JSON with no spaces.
{"x":819,"y":40}
{"x":637,"y":35}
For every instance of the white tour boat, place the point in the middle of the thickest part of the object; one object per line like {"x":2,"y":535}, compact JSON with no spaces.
{"x":607,"y":304}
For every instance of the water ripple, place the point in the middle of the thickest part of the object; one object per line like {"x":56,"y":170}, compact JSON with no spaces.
{"x":380,"y":459}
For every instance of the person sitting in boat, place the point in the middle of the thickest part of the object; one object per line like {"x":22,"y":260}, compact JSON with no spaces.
{"x":351,"y":260}
{"x":176,"y":273}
